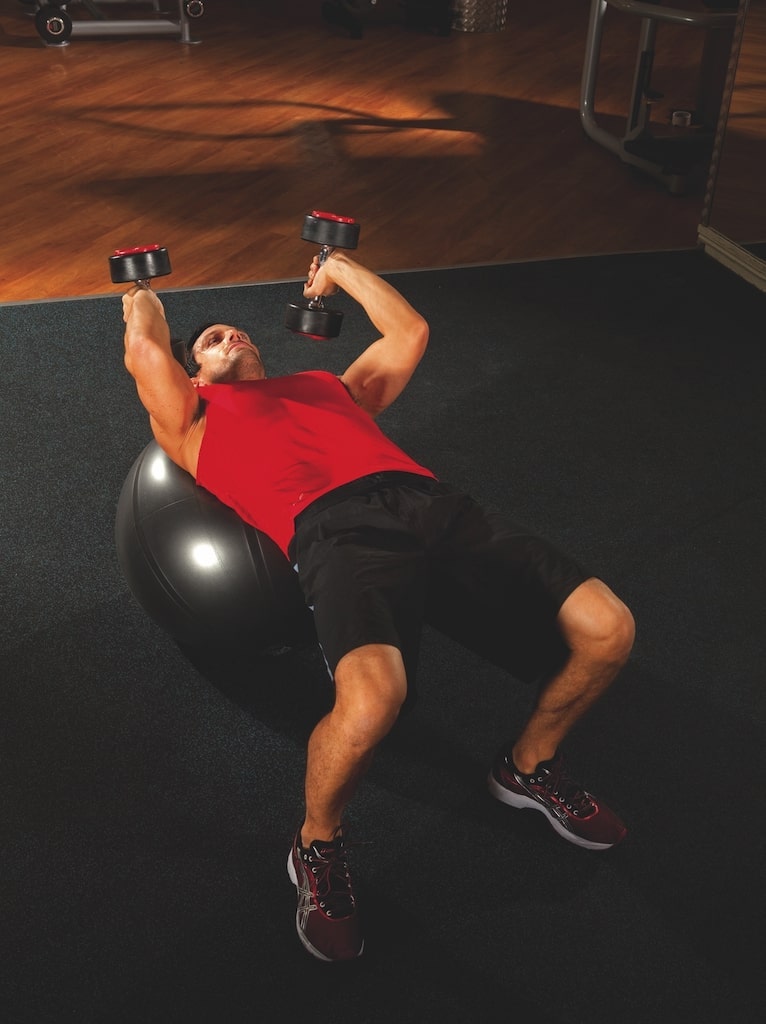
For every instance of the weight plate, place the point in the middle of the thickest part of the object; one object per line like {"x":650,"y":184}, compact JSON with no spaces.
{"x":320,"y":324}
{"x":139,"y":264}
{"x":330,"y":229}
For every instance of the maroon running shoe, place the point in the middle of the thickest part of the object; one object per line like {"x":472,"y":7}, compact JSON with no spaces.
{"x":327,"y":920}
{"x":572,"y":811}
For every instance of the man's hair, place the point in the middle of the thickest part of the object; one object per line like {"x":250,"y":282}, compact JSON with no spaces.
{"x":191,"y":365}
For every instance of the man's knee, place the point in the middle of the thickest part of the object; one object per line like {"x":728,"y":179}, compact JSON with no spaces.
{"x":370,"y":688}
{"x":594,"y":619}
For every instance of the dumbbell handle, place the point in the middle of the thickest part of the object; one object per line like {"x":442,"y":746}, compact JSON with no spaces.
{"x":318,"y":301}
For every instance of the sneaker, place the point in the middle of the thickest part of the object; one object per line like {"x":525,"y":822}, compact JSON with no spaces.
{"x":327,"y":920}
{"x":574,"y":813}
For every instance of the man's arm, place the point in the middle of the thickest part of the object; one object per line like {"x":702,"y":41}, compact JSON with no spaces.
{"x":164,"y":388}
{"x":381,"y":372}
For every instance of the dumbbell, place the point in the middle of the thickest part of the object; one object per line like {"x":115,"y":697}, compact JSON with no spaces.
{"x":139,"y":265}
{"x":311,"y":317}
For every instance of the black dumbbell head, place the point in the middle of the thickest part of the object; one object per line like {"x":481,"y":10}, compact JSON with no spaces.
{"x":320,"y":324}
{"x":331,"y":229}
{"x":139,"y":264}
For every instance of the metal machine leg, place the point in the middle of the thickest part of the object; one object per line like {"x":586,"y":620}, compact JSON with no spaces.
{"x":670,"y":158}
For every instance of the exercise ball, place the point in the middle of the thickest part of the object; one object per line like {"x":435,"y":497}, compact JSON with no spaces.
{"x":202,"y":573}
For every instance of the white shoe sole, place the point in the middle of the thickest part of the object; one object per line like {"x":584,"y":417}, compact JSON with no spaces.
{"x":523,"y":802}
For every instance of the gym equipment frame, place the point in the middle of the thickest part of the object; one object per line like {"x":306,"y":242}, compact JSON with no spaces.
{"x":669,"y":158}
{"x":55,"y":25}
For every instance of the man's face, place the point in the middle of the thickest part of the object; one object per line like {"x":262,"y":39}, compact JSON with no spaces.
{"x":226,"y":354}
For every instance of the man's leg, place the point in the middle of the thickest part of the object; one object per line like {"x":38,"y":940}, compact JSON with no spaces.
{"x":599,"y":632}
{"x":370,"y":687}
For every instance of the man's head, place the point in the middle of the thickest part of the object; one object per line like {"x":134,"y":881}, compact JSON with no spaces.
{"x":219,"y":353}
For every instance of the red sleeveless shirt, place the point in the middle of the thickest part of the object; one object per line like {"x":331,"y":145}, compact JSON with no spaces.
{"x":272,"y":446}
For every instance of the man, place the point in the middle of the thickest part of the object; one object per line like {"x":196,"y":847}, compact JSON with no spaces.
{"x":380,"y":546}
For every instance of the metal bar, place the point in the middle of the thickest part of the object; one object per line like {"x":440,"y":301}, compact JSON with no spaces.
{"x":589,"y":78}
{"x":115,"y":27}
{"x":702,"y":19}
{"x":644,"y":61}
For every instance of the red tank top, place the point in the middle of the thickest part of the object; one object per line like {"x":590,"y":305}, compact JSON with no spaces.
{"x":272,"y":446}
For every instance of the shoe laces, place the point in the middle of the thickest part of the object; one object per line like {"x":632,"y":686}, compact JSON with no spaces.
{"x":328,"y":863}
{"x":555,"y":779}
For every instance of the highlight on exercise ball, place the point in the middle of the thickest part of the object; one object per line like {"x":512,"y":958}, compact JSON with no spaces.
{"x":197,"y":569}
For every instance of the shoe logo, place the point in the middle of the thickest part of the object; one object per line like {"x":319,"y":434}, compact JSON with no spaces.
{"x":305,"y":896}
{"x":305,"y":906}
{"x":557,"y":811}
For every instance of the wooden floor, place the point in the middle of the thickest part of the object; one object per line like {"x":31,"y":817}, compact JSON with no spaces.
{"x":449,"y":150}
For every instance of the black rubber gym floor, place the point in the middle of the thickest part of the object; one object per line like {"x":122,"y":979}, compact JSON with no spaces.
{"x":149,"y":796}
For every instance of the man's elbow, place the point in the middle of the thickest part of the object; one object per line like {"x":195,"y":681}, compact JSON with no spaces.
{"x":420,"y":333}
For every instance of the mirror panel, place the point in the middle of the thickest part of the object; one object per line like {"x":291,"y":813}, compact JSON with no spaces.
{"x":733,"y":222}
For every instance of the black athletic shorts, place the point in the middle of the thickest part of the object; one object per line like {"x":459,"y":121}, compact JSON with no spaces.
{"x":380,"y":556}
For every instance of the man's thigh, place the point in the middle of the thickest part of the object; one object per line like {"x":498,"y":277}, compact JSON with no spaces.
{"x":364,"y":587}
{"x":497,"y":589}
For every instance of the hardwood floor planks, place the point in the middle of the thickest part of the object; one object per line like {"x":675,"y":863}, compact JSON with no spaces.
{"x":448,"y":150}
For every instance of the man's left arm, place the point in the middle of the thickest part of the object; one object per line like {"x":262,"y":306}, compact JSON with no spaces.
{"x":379,"y":375}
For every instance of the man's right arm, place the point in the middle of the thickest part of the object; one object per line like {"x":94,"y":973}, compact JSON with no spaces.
{"x":164,"y":388}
